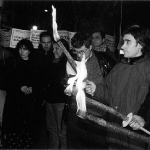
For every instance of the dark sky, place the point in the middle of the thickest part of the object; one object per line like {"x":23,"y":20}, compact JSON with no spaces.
{"x":136,"y":12}
{"x":25,"y":13}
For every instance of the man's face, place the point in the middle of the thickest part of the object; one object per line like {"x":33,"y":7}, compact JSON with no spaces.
{"x":97,"y":39}
{"x":80,"y":51}
{"x":46,"y":43}
{"x":130,"y":47}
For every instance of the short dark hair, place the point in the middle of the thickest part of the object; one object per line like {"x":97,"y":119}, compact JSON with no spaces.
{"x":25,"y":42}
{"x":45,"y":34}
{"x":80,"y":39}
{"x":141,"y":36}
{"x":102,"y":33}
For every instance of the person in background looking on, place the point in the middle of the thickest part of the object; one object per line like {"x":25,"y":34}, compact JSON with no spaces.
{"x":83,"y":134}
{"x":127,"y":88}
{"x":106,"y":58}
{"x":53,"y":73}
{"x":44,"y":52}
{"x":20,"y":87}
{"x":6,"y":62}
{"x":43,"y":57}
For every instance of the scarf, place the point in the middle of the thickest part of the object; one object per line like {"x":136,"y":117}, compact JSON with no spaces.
{"x":101,"y":48}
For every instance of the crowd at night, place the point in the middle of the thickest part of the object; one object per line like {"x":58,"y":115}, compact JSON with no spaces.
{"x":74,"y":74}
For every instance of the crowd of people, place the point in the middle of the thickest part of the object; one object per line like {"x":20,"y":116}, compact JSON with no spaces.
{"x":34,"y":81}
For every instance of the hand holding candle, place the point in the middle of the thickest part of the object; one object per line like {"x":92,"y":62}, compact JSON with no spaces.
{"x":135,"y":122}
{"x":136,"y":125}
{"x":90,"y":87}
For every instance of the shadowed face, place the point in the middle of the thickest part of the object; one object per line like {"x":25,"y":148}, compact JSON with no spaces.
{"x":46,"y":43}
{"x":97,"y":39}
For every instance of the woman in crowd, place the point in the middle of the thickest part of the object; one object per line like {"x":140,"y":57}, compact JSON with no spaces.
{"x":19,"y":83}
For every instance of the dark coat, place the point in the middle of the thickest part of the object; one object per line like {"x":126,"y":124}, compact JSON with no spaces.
{"x":54,"y":74}
{"x":106,"y":61}
{"x":6,"y":62}
{"x":127,"y":87}
{"x":51,"y":75}
{"x":18,"y":106}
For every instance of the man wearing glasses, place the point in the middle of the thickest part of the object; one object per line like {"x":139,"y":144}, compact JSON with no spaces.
{"x":82,"y":134}
{"x":79,"y":52}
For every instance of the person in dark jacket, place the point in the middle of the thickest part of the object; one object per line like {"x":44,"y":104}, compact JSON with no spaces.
{"x":106,"y":58}
{"x":127,"y":89}
{"x":20,"y":86}
{"x":53,"y":72}
{"x":6,"y":61}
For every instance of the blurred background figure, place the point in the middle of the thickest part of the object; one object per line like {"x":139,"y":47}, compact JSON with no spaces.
{"x":106,"y":58}
{"x":6,"y":59}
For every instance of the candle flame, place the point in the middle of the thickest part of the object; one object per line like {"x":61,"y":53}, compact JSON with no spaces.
{"x":55,"y":32}
{"x":80,"y":85}
{"x":82,"y":74}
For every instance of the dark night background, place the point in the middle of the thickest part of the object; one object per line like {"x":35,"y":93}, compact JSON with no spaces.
{"x":76,"y":15}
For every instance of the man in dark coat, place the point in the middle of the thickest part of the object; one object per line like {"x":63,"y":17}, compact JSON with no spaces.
{"x":53,"y":71}
{"x":127,"y":88}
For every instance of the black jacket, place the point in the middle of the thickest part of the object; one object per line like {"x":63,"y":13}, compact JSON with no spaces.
{"x":106,"y":61}
{"x":54,"y":74}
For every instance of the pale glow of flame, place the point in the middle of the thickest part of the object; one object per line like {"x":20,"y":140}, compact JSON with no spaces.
{"x":80,"y":85}
{"x":82,"y":74}
{"x":55,"y":33}
{"x":71,"y":82}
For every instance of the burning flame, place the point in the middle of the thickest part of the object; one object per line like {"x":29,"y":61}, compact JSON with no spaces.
{"x":82,"y":74}
{"x":80,"y":85}
{"x":55,"y":33}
